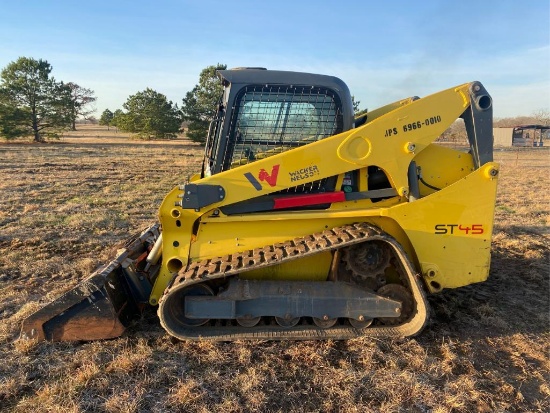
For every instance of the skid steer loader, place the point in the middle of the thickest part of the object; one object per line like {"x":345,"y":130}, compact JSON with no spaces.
{"x":304,"y":222}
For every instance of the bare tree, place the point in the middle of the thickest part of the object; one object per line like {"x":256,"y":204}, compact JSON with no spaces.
{"x":455,"y":133}
{"x":81,"y":99}
{"x":514,"y":121}
{"x":542,"y":116}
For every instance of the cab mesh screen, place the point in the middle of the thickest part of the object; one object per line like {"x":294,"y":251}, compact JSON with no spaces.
{"x":271,"y":119}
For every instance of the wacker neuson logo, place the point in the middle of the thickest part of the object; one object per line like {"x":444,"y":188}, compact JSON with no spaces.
{"x":304,"y":173}
{"x":263,"y":176}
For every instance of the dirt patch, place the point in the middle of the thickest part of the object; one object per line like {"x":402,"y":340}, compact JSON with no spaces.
{"x":64,"y":206}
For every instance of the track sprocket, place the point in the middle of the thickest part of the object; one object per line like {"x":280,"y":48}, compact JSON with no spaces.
{"x":366,"y":263}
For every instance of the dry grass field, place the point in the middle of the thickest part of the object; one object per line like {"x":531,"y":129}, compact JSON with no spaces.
{"x":63,"y":205}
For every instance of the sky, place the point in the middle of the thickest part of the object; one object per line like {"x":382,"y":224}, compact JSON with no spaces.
{"x":383,"y":50}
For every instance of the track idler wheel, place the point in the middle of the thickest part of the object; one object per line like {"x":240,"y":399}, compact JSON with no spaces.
{"x":399,"y":293}
{"x":287,"y":321}
{"x":177,"y":305}
{"x":359,"y":324}
{"x":248,"y":321}
{"x":324,"y":323}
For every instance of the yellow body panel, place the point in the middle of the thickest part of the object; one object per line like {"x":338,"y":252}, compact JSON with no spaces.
{"x":442,"y":166}
{"x":315,"y":268}
{"x":451,"y":230}
{"x":447,"y":233}
{"x":394,"y":136}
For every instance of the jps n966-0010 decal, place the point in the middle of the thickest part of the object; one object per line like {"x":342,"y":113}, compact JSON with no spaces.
{"x":409,"y":127}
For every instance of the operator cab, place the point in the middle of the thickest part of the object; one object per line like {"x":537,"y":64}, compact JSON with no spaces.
{"x":266,"y":112}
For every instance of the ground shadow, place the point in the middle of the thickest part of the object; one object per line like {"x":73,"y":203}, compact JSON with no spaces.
{"x":515,"y":299}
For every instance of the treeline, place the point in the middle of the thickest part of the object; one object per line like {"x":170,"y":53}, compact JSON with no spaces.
{"x":539,"y":117}
{"x":33,"y":103}
{"x":456,"y":133}
{"x":149,"y":114}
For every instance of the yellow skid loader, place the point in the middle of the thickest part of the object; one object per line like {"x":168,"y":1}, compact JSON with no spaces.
{"x":305,"y":222}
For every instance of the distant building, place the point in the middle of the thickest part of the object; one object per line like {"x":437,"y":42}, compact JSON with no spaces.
{"x":523,"y":135}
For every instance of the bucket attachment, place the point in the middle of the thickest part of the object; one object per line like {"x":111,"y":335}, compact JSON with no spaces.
{"x":102,"y":305}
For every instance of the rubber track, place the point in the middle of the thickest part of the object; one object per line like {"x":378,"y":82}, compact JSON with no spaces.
{"x":230,"y":265}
